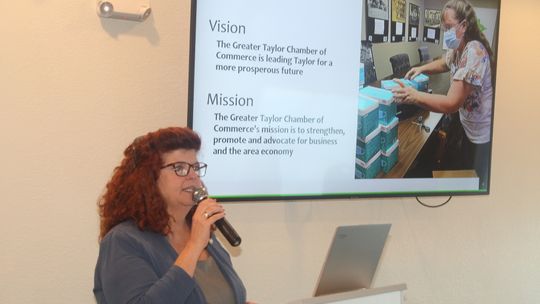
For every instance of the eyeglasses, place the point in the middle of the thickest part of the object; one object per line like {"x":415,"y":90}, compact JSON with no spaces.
{"x":182,"y":168}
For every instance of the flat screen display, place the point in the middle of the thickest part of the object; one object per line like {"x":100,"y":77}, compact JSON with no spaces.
{"x":291,"y":100}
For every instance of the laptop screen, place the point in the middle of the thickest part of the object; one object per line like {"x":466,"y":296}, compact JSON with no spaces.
{"x":352,"y":258}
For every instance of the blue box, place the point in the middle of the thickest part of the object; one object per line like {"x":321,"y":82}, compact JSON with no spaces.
{"x":376,"y":93}
{"x":389,"y":157}
{"x":389,"y":134}
{"x":368,"y":116}
{"x":387,"y":111}
{"x":362,"y":76}
{"x":420,"y":82}
{"x":407,"y":82}
{"x":368,"y":146}
{"x":389,"y":84}
{"x":369,"y":169}
{"x":385,"y":98}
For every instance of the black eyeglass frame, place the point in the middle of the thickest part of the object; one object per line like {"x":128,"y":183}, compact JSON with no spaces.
{"x":198,"y":167}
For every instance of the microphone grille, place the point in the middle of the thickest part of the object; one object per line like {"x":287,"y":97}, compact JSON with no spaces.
{"x":199,"y":194}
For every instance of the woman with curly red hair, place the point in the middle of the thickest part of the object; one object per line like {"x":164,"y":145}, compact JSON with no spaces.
{"x":155,"y":245}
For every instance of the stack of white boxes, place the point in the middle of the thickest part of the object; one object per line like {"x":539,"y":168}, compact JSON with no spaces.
{"x":376,"y":144}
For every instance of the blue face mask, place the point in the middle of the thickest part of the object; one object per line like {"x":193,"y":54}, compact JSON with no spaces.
{"x":450,"y":38}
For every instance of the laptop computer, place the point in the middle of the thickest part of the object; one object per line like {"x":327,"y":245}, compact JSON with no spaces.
{"x":352,"y":259}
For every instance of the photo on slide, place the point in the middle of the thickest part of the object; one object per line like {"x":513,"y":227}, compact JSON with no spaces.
{"x":299,"y":104}
{"x":378,"y":9}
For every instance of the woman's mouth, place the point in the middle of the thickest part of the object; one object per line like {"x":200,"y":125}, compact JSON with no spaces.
{"x":189,"y":189}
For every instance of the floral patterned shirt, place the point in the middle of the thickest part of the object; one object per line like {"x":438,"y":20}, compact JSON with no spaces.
{"x":473,"y":66}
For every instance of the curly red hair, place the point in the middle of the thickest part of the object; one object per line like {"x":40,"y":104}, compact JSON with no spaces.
{"x":132,"y":192}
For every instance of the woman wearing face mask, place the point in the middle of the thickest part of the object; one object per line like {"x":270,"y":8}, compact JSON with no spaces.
{"x":471,"y":64}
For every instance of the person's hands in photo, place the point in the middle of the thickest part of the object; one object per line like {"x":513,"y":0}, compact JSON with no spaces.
{"x":405,"y":94}
{"x":413,"y":72}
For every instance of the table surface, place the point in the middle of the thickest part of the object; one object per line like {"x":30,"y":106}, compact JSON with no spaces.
{"x":411,"y":140}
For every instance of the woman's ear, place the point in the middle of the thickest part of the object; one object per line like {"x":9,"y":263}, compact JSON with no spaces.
{"x":464,"y":25}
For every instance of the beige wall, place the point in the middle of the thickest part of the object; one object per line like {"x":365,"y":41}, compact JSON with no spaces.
{"x":75,"y":90}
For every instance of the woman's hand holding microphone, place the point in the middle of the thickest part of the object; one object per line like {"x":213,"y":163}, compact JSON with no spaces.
{"x":207,"y":213}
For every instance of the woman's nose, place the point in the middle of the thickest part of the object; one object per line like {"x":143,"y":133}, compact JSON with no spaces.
{"x":192,"y":173}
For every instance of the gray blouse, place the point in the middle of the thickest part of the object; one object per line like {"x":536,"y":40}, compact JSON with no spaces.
{"x":212,"y":282}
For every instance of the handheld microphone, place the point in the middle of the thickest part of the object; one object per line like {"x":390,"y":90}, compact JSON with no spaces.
{"x":200,"y":194}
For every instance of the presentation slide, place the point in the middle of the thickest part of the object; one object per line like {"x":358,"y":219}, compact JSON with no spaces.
{"x":276,"y":100}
